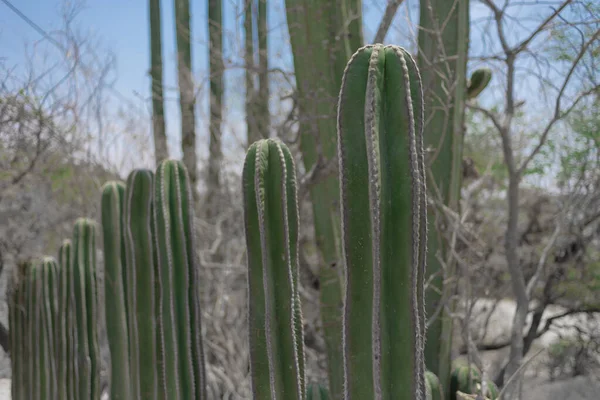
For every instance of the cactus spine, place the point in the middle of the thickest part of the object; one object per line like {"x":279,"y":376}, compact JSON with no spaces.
{"x":271,"y":226}
{"x":115,"y":268}
{"x":181,"y":374}
{"x":137,"y":226}
{"x":380,"y":148}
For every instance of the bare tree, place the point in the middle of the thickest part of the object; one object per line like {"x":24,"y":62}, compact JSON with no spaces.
{"x":564,"y":94}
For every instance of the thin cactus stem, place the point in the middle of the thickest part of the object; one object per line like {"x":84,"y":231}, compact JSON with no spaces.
{"x":137,"y":227}
{"x":86,"y":307}
{"x":122,"y":380}
{"x":67,"y":336}
{"x":382,"y":196}
{"x":271,"y":227}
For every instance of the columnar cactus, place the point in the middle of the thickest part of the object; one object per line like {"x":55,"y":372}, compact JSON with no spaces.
{"x":464,"y":378}
{"x":33,"y":313}
{"x":180,"y":355}
{"x":443,"y":53}
{"x":271,"y":226}
{"x":140,"y":277}
{"x":85,"y":295}
{"x":67,"y":367}
{"x":323,"y":36}
{"x":434,"y":387}
{"x":383,"y":224}
{"x":115,"y":281}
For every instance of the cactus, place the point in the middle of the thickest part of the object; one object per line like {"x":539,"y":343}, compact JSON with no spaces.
{"x":383,"y":224}
{"x":33,"y":313}
{"x":85,"y":295}
{"x":434,"y":386}
{"x":16,"y":323}
{"x":181,"y":374}
{"x":67,"y":368}
{"x":141,"y":300}
{"x":492,"y":392}
{"x":316,"y":392}
{"x":323,"y":37}
{"x":480,"y":78}
{"x":216,"y":88}
{"x":271,"y":227}
{"x":464,"y":378}
{"x":115,"y":268}
{"x":443,"y":52}
{"x":161,"y":151}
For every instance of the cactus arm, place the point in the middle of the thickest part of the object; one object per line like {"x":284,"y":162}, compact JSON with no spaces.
{"x":270,"y":217}
{"x":140,"y":262}
{"x":116,"y":318}
{"x":480,"y":78}
{"x":378,"y":149}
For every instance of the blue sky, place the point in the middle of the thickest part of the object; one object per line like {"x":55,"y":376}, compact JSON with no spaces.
{"x":122,"y":27}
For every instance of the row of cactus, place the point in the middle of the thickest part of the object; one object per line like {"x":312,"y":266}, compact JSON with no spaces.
{"x":152,"y":284}
{"x":54,"y":330}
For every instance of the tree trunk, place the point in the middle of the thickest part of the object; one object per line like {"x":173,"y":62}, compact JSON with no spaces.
{"x":161,"y":151}
{"x":187,"y":99}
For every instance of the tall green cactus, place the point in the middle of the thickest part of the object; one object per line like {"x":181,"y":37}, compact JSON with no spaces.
{"x":85,"y":294}
{"x":33,"y":313}
{"x":443,"y":51}
{"x":122,"y":381}
{"x":180,"y":351}
{"x":141,"y":279}
{"x":464,"y":378}
{"x":383,"y":224}
{"x":271,"y":226}
{"x":323,"y":36}
{"x":436,"y":391}
{"x":16,"y":323}
{"x":67,"y":350}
